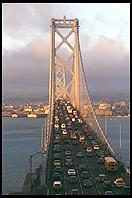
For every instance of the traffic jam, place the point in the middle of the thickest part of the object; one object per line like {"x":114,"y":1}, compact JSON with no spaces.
{"x":80,"y":163}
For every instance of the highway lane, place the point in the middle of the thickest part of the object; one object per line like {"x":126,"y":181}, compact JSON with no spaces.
{"x":93,"y":168}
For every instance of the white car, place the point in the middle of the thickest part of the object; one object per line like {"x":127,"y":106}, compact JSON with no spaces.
{"x":119,"y":182}
{"x":64,"y":132}
{"x":79,"y":120}
{"x":73,"y":119}
{"x":63,"y":125}
{"x":56,"y":126}
{"x":89,"y":149}
{"x":57,"y":185}
{"x":71,"y":172}
{"x":96,"y":147}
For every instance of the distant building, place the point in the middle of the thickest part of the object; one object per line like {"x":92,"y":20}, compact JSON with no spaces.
{"x":28,"y":109}
{"x":103,"y":112}
{"x":120,"y":103}
{"x":14,"y":116}
{"x":31,"y":115}
{"x":104,"y":106}
{"x":120,"y":108}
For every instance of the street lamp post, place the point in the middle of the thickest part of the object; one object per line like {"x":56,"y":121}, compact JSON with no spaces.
{"x":120,"y":134}
{"x":105,"y":124}
{"x":30,"y":161}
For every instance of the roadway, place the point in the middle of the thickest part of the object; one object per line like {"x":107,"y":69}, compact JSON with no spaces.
{"x":92,"y":166}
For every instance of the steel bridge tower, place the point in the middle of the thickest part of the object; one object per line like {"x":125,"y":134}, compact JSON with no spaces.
{"x":67,"y":78}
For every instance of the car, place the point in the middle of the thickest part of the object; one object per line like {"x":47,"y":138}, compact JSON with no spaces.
{"x":85,"y":145}
{"x":56,"y":126}
{"x":84,"y":174}
{"x":74,"y":142}
{"x":108,"y":192}
{"x":126,"y":189}
{"x":96,"y":147}
{"x":89,"y":149}
{"x":65,"y":148}
{"x":56,"y":146}
{"x":90,"y":154}
{"x":68,"y":152}
{"x":57,"y":185}
{"x":69,"y":163}
{"x":56,"y":149}
{"x":72,"y":179}
{"x":66,"y":141}
{"x":75,"y":192}
{"x":119,"y":182}
{"x":82,"y":167}
{"x":80,"y":154}
{"x":57,"y":162}
{"x":58,"y":169}
{"x":73,"y":119}
{"x":64,"y":132}
{"x":56,"y":156}
{"x":63,"y":125}
{"x":102,"y":177}
{"x":79,"y":120}
{"x":81,"y":138}
{"x":73,"y":136}
{"x":56,"y":175}
{"x":90,"y":137}
{"x":56,"y":141}
{"x":71,"y":172}
{"x":100,"y":160}
{"x":87,"y":183}
{"x":107,"y":183}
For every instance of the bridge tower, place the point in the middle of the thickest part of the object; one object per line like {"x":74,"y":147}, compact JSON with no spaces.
{"x":67,"y":78}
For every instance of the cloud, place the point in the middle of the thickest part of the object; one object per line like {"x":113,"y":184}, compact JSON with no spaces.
{"x":25,"y":71}
{"x":31,"y":19}
{"x":26,"y":65}
{"x":107,"y":66}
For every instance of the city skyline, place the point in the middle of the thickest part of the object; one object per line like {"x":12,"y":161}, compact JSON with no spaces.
{"x":104,"y":40}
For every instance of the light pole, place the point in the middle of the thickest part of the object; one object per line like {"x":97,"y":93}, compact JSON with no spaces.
{"x":120,"y":134}
{"x":105,"y":124}
{"x":30,"y":162}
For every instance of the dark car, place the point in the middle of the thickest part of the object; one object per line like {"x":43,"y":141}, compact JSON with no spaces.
{"x":58,"y":169}
{"x":68,"y":152}
{"x":82,"y":167}
{"x":72,"y":179}
{"x":75,"y":192}
{"x":87,"y":183}
{"x":56,"y":176}
{"x":74,"y":142}
{"x":56,"y":156}
{"x":84,"y":174}
{"x":80,"y":154}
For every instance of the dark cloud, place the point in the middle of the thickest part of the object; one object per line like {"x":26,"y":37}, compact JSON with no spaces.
{"x":26,"y":71}
{"x":106,"y":65}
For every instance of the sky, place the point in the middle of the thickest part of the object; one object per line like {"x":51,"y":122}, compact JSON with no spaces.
{"x":104,"y":34}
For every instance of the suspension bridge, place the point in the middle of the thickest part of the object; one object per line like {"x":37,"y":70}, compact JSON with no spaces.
{"x":74,"y":146}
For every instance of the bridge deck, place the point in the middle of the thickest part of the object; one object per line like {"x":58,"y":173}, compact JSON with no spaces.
{"x":93,"y":168}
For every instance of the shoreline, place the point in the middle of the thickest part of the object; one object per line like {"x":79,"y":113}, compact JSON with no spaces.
{"x":47,"y":114}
